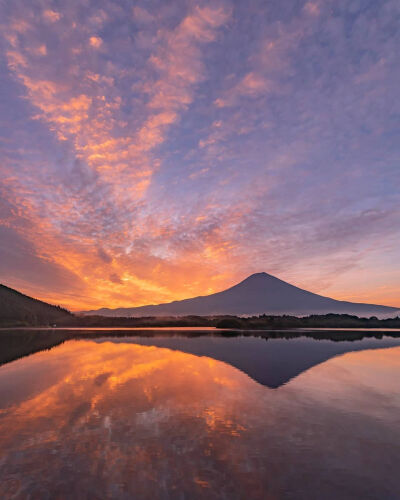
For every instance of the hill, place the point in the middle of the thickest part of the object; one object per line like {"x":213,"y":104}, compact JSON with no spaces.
{"x":258,"y":294}
{"x":17,"y":309}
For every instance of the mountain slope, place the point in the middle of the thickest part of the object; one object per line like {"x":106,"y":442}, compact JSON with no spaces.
{"x":260,"y":293}
{"x":17,"y":309}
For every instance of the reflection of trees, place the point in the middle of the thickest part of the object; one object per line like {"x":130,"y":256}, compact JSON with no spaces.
{"x":16,"y":344}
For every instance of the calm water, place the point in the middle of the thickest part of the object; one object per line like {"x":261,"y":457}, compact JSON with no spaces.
{"x":206,"y":417}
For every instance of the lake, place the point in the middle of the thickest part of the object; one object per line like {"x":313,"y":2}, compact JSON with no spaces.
{"x":199,"y":415}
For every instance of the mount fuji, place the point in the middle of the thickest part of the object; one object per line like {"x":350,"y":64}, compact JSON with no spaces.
{"x":260,"y":293}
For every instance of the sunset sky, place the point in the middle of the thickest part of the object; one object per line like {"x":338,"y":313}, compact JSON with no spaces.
{"x":157,"y":150}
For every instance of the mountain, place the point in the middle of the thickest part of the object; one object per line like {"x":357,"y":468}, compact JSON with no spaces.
{"x":258,"y":294}
{"x":17,"y":309}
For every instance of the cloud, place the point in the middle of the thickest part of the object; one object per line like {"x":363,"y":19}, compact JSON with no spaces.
{"x":195,"y":144}
{"x":51,"y":15}
{"x":251,"y":85}
{"x":95,"y":42}
{"x":179,"y":65}
{"x":142,"y":15}
{"x":104,"y":256}
{"x":21,"y":266}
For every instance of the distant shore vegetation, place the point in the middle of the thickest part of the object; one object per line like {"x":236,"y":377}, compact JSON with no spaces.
{"x":262,"y":322}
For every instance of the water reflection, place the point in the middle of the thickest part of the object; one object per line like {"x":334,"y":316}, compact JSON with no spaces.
{"x":269,"y":361}
{"x":271,"y":358}
{"x":121,"y":420}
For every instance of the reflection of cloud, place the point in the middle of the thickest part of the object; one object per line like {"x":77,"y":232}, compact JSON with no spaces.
{"x":149,"y":420}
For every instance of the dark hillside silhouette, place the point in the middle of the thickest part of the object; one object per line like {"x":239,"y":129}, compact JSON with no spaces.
{"x":17,"y":309}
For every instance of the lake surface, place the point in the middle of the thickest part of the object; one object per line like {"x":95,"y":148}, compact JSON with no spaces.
{"x":168,"y":416}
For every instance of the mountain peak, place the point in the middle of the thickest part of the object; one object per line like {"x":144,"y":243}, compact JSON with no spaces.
{"x":258,"y":277}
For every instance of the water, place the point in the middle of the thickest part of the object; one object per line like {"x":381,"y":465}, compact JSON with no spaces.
{"x":164,"y":415}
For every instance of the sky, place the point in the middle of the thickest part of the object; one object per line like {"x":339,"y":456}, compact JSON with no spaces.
{"x":157,"y":150}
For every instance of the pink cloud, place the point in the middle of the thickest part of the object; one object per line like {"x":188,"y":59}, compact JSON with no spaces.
{"x":51,"y":15}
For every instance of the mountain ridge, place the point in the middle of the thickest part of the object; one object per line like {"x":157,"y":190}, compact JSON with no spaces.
{"x":259,"y":293}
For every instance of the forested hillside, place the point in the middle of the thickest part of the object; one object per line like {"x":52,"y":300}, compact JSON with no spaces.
{"x":17,"y":309}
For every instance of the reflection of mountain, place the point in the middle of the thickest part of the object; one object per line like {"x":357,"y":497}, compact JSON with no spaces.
{"x":258,"y":294}
{"x":271,"y":362}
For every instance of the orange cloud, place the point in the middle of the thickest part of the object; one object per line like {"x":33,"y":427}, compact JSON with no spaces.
{"x":95,"y":42}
